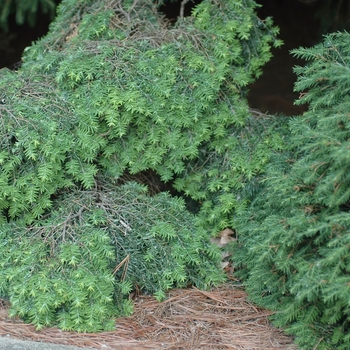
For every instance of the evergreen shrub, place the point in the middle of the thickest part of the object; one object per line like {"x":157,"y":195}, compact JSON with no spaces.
{"x":294,"y":238}
{"x":77,"y":265}
{"x":114,"y":89}
{"x":226,"y":176}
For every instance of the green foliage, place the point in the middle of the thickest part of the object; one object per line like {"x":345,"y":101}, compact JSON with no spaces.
{"x":127,"y":93}
{"x":76,"y":266}
{"x":226,"y":175}
{"x":25,"y":11}
{"x":112,"y":89}
{"x":294,"y":238}
{"x":41,"y":148}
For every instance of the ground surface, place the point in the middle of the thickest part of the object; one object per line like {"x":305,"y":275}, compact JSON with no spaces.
{"x":189,"y":319}
{"x":8,"y":343}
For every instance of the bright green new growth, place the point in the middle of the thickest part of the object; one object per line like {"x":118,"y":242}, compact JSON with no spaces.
{"x":112,"y":90}
{"x":294,"y":238}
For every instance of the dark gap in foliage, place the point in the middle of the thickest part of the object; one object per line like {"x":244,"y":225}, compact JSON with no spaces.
{"x":155,"y":185}
{"x":149,"y":178}
{"x":299,"y":26}
{"x":17,"y":37}
{"x":171,"y":8}
{"x":345,"y":207}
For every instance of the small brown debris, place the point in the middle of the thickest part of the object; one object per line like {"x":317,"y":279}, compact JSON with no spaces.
{"x":221,"y":318}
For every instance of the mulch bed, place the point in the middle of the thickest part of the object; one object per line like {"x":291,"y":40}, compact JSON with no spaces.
{"x":221,"y":318}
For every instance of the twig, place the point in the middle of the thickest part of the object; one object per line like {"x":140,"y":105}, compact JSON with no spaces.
{"x":182,"y":9}
{"x":124,"y":261}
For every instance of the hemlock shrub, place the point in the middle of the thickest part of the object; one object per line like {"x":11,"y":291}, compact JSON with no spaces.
{"x":114,"y":89}
{"x":294,"y":238}
{"x":77,"y":265}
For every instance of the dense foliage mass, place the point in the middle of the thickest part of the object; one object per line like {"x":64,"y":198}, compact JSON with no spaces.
{"x":295,"y":236}
{"x":114,"y":89}
{"x":77,"y":266}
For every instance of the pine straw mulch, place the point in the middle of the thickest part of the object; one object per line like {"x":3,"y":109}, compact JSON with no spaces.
{"x":221,"y":318}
